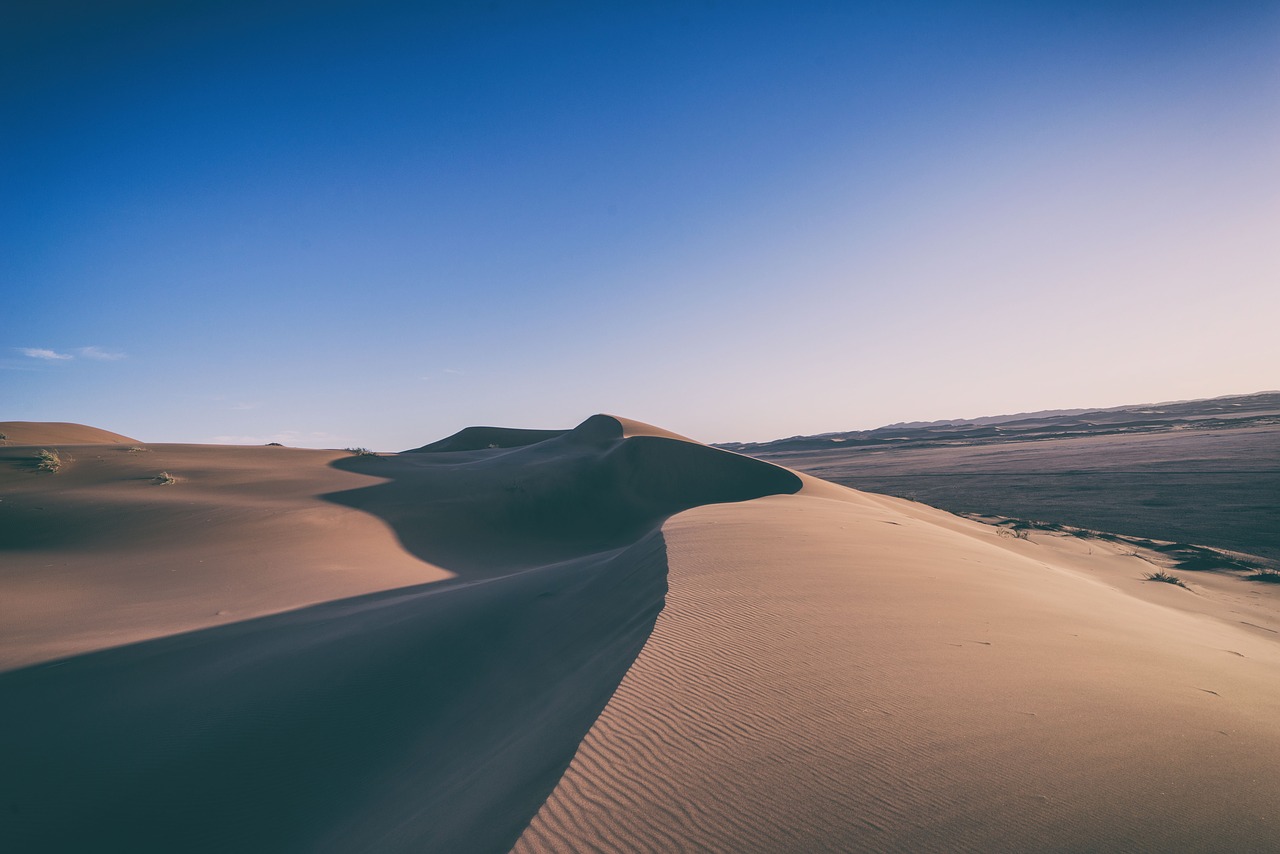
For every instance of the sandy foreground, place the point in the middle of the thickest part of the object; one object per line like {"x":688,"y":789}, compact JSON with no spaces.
{"x":603,"y":639}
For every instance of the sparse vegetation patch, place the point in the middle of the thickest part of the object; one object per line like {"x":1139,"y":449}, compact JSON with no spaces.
{"x":49,"y":461}
{"x":361,"y":452}
{"x":164,"y":479}
{"x":1161,"y":575}
{"x":136,"y":450}
{"x":1176,"y":555}
{"x":1204,"y":559}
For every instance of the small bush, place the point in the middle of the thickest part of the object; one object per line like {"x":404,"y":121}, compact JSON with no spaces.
{"x":1014,"y":533}
{"x":164,"y":479}
{"x":49,"y":461}
{"x":1161,"y":575}
{"x":136,"y":450}
{"x":361,"y":452}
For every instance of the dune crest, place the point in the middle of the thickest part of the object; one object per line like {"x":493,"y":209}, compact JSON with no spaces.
{"x":589,"y":488}
{"x":602,"y":426}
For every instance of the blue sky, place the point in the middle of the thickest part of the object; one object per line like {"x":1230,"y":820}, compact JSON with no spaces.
{"x":336,"y":223}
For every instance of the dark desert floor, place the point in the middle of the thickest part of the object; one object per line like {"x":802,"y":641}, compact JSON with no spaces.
{"x":1202,"y":472}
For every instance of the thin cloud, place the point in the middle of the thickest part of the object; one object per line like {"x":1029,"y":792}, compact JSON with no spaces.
{"x":100,"y":354}
{"x":42,"y":353}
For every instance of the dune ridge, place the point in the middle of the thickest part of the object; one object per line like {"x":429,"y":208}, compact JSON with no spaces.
{"x":598,"y":485}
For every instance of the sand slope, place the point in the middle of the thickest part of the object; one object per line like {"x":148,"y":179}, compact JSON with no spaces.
{"x":607,"y":639}
{"x":856,"y":673}
{"x":100,"y":555}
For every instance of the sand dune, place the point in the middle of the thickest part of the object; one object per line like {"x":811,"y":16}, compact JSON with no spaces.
{"x":856,"y":673}
{"x":57,"y":433}
{"x":609,"y":638}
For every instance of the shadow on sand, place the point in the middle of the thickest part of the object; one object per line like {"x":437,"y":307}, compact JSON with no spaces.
{"x":430,"y":718}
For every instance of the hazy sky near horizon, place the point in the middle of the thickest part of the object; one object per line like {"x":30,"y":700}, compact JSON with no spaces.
{"x":339,"y":223}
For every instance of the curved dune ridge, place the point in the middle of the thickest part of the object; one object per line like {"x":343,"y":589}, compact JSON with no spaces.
{"x":437,"y":716}
{"x":486,"y":438}
{"x":603,"y":483}
{"x":58,"y":433}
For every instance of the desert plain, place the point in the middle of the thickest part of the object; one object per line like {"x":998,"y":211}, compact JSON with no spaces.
{"x":604,"y":638}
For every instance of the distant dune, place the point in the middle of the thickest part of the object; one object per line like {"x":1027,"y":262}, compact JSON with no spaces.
{"x":57,"y":433}
{"x":609,"y":638}
{"x":477,"y":438}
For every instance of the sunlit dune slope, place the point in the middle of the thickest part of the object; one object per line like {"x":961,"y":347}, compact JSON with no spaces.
{"x":835,"y":671}
{"x":100,"y":554}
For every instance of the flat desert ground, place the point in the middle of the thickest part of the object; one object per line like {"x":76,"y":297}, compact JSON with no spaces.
{"x":609,"y":638}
